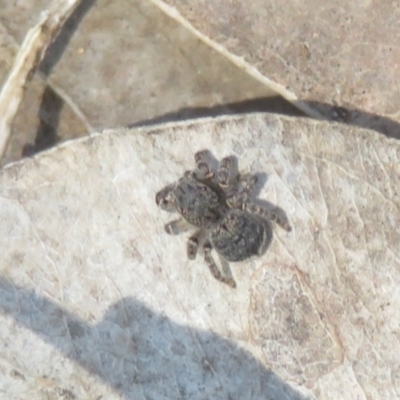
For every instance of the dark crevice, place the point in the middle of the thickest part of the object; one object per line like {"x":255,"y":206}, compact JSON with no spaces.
{"x":49,"y":115}
{"x":275,"y":104}
{"x":52,"y":104}
{"x":356,"y":117}
{"x":57,"y":48}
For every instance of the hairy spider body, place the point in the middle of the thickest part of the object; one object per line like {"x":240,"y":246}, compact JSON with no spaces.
{"x":218,"y":205}
{"x":239,"y":236}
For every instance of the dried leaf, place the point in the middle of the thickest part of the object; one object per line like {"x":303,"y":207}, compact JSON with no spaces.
{"x":93,"y":287}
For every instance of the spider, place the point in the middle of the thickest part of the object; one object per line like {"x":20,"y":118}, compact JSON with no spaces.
{"x":218,"y":205}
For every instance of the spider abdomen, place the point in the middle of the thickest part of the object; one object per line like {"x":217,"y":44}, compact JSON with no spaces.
{"x":239,"y":236}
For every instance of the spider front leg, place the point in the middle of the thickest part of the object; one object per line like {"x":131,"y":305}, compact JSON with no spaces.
{"x":203,"y":165}
{"x":275,"y":214}
{"x":227,"y":176}
{"x":227,"y":172}
{"x":212,"y":266}
{"x":162,"y":198}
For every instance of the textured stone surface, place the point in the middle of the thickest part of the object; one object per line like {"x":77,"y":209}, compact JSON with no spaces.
{"x":97,"y":299}
{"x":329,"y":54}
{"x":116,"y":64}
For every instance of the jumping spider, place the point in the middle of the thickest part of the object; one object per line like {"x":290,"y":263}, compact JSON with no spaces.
{"x":218,"y":204}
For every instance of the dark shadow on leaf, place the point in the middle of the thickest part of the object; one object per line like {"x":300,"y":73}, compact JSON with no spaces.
{"x":141,"y":353}
{"x":355,"y":117}
{"x":49,"y":115}
{"x":52,"y":104}
{"x":57,"y":48}
{"x":275,"y":104}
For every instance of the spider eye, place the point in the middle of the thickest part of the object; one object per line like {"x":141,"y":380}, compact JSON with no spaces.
{"x":202,"y":188}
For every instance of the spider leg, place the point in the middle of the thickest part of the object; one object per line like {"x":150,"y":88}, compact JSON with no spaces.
{"x":203,"y":165}
{"x":226,"y":269}
{"x":226,"y":173}
{"x":228,"y":177}
{"x":162,"y":198}
{"x":212,"y":266}
{"x":177,"y":226}
{"x":237,"y":200}
{"x":249,"y":182}
{"x":275,"y":214}
{"x":193,"y":244}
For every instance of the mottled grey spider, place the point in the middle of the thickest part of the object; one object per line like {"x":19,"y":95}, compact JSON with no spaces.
{"x":219,"y":206}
